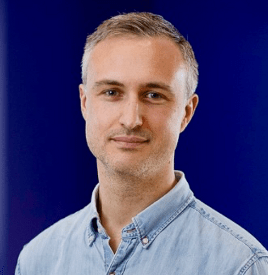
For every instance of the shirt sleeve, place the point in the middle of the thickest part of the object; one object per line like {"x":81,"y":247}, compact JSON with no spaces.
{"x":260,"y":267}
{"x":17,"y":271}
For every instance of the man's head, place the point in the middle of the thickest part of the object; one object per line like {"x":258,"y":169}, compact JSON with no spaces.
{"x":143,"y":24}
{"x":134,"y":101}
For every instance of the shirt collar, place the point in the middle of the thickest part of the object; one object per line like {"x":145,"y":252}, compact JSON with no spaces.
{"x":155,"y":218}
{"x":93,"y":216}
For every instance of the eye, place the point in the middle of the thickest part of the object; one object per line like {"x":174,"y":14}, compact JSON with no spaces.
{"x":154,"y":95}
{"x":111,"y":93}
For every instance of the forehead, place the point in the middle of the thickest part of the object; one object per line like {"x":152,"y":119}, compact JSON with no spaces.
{"x":136,"y":58}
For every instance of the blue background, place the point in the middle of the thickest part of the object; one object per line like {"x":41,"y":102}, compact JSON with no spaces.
{"x":47,"y":171}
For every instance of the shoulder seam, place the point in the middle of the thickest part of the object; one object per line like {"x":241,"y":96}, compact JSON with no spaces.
{"x":250,"y":263}
{"x":225,"y":228}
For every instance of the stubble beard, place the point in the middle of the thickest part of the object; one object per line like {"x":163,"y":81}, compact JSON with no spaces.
{"x":131,"y":171}
{"x":142,"y":169}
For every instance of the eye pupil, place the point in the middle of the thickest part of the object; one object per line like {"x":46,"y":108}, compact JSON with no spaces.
{"x":153,"y":95}
{"x":110,"y":92}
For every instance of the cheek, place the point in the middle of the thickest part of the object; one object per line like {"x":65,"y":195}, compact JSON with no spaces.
{"x":94,"y":132}
{"x":167,"y":125}
{"x":98,"y":119}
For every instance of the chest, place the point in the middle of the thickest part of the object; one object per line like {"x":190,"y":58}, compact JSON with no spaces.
{"x":163,"y":256}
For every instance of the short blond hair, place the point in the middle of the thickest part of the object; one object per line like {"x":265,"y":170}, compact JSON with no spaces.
{"x":143,"y":24}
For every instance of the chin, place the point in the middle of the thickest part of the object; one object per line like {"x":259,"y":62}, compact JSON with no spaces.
{"x":127,"y":168}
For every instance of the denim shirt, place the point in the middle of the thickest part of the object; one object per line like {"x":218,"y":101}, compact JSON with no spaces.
{"x":178,"y":234}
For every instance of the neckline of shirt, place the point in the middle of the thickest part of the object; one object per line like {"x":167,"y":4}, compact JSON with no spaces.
{"x":148,"y":224}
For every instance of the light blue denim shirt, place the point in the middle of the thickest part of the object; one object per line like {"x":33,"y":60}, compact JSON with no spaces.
{"x":177,"y":234}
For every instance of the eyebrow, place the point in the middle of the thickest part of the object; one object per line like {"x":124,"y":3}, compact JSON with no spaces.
{"x":158,"y":85}
{"x":154,"y":85}
{"x":108,"y":82}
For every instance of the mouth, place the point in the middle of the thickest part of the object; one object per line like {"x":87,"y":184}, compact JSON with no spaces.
{"x":129,"y":142}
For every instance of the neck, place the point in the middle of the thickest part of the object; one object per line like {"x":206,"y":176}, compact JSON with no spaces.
{"x":122,"y":197}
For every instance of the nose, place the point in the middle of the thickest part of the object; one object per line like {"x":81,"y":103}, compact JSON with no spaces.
{"x":131,"y":116}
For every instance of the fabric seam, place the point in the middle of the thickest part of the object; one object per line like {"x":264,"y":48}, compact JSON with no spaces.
{"x":249,"y":264}
{"x":225,"y":229}
{"x":172,"y":217}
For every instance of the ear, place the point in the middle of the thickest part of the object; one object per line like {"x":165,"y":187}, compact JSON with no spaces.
{"x":189,"y":111}
{"x":83,"y":99}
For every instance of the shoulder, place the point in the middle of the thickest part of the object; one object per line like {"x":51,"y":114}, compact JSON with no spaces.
{"x":212,"y":218}
{"x":47,"y":246}
{"x":61,"y":229}
{"x":226,"y":239}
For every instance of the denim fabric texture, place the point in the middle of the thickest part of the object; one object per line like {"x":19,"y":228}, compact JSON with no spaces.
{"x":178,"y":234}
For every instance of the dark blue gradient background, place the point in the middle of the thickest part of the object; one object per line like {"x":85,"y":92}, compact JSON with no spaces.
{"x":47,"y":171}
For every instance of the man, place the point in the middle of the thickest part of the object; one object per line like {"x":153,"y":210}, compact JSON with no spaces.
{"x":138,"y":94}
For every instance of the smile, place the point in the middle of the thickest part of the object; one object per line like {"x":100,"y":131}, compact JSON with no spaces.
{"x":129,"y":141}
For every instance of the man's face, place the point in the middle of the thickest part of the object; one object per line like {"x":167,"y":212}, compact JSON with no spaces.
{"x":134,"y":103}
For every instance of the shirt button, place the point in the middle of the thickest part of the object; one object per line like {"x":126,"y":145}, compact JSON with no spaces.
{"x":112,"y":273}
{"x":91,"y":238}
{"x":145,"y":240}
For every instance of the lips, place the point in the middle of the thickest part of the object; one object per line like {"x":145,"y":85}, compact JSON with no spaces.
{"x":129,"y":142}
{"x":129,"y":139}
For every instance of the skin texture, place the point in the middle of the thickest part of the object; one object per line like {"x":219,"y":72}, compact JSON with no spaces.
{"x":135,"y":90}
